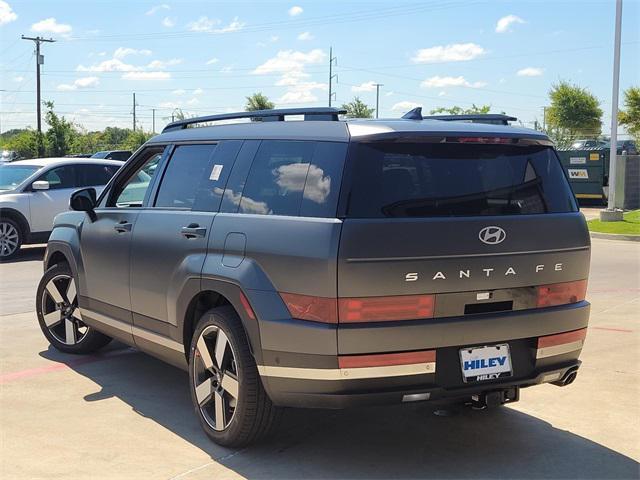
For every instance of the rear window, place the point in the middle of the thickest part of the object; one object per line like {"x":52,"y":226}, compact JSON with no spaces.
{"x":446,"y":180}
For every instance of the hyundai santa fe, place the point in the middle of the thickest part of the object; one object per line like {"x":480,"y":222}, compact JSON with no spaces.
{"x":328,"y":263}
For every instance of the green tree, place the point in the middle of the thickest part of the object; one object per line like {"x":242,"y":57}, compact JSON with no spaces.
{"x":25,"y":142}
{"x":60,"y":135}
{"x":630,"y":116}
{"x":455,"y":110}
{"x":258,"y":101}
{"x":358,"y":109}
{"x":135,"y":140}
{"x":574,"y":112}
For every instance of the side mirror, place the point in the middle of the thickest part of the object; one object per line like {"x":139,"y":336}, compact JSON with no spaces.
{"x":84,"y":201}
{"x":40,"y":185}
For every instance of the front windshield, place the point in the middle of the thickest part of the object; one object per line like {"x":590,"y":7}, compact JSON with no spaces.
{"x":13,"y":175}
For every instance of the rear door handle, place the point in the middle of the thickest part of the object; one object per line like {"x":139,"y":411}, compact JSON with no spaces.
{"x":123,"y":226}
{"x":193,"y":231}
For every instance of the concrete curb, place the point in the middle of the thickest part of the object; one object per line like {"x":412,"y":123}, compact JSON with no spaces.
{"x":616,"y":236}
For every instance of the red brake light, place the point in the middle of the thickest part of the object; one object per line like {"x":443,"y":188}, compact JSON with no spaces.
{"x":561,"y":293}
{"x":306,"y":307}
{"x":380,"y":309}
{"x":487,"y":140}
{"x":562,"y":338}
{"x":387,"y":359}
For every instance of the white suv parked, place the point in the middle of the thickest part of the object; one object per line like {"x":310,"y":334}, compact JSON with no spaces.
{"x":33,"y":192}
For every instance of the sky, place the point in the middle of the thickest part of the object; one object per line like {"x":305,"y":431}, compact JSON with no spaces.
{"x":206,"y":57}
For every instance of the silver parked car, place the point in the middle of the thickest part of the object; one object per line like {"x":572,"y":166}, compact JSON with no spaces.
{"x":33,"y":192}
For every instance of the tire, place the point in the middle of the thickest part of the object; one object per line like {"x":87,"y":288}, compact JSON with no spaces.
{"x":59,"y":317}
{"x":11,"y":238}
{"x":223,"y":377}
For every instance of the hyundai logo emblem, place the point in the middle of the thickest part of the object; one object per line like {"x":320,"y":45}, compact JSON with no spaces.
{"x":492,"y":235}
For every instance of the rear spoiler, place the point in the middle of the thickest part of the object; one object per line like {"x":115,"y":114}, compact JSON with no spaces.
{"x":490,"y":118}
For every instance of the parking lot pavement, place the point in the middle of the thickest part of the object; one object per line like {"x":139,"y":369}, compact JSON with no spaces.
{"x":123,"y":414}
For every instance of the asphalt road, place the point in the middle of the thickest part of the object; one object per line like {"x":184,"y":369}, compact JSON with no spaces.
{"x":123,"y":414}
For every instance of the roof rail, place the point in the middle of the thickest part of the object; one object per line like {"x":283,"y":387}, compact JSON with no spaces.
{"x":492,"y":118}
{"x":315,"y":113}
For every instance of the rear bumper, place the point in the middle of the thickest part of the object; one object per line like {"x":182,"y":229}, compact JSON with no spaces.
{"x":318,"y":381}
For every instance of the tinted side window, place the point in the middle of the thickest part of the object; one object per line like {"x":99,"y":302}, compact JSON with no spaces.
{"x":95,"y":175}
{"x":188,"y":168}
{"x":277,"y":178}
{"x":131,"y":191}
{"x":322,"y":186}
{"x":61,"y":177}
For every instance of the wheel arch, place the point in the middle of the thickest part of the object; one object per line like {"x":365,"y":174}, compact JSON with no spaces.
{"x":58,"y":252}
{"x":19,"y":218}
{"x":212,"y":294}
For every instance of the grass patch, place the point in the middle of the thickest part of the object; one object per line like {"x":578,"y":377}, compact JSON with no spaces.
{"x":629,"y":226}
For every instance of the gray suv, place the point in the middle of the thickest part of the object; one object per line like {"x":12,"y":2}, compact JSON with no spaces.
{"x":328,"y":263}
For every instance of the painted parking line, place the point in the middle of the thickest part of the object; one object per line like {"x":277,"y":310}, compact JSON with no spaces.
{"x":32,"y":372}
{"x":611,"y":329}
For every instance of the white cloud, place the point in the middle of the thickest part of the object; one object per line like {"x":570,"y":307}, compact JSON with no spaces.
{"x":388,"y":94}
{"x":364,"y":87}
{"x":51,"y":25}
{"x":227,"y":69}
{"x":291,"y":65}
{"x":179,"y":91}
{"x":111,"y":65}
{"x":19,"y":78}
{"x":304,"y":36}
{"x":234,"y":26}
{"x":162,"y":64}
{"x":146,"y":76}
{"x":193,"y":101}
{"x":457,"y":52}
{"x":290,"y":60}
{"x":405,"y":106}
{"x":122,"y":52}
{"x":80,"y":83}
{"x":295,"y":11}
{"x":7,"y":15}
{"x":203,"y":24}
{"x":208,"y":25}
{"x":157,"y":8}
{"x":212,"y":61}
{"x":168,"y":22}
{"x":530,"y":72}
{"x":274,"y":38}
{"x":442,"y":93}
{"x":439,"y":82}
{"x":198,"y":91}
{"x":505,"y":22}
{"x":171,"y":105}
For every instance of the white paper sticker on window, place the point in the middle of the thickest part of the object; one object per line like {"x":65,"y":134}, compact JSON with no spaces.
{"x":215,"y":173}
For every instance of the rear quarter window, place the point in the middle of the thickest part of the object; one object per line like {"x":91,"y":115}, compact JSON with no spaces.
{"x":449,"y":179}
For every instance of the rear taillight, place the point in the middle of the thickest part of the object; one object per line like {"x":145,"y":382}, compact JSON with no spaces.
{"x":307,"y":307}
{"x":382,"y":309}
{"x":487,"y":140}
{"x":561,"y":293}
{"x":354,"y":310}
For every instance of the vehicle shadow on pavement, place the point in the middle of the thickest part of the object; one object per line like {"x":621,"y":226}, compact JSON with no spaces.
{"x":28,"y":254}
{"x":404,"y":441}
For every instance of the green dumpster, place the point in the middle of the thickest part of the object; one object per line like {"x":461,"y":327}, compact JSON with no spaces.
{"x":588,"y":172}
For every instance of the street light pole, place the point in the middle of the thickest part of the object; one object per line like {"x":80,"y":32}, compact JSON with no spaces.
{"x":613,"y":151}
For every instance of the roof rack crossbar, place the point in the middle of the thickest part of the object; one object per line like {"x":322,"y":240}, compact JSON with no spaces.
{"x":316,"y":113}
{"x":416,"y":114}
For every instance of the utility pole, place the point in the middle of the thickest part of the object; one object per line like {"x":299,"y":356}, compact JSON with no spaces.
{"x":134,"y":112}
{"x":331,"y":75}
{"x":378,"y":85}
{"x":153,"y":116}
{"x":39,"y":61}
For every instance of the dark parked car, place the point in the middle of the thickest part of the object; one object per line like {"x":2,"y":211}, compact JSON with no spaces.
{"x":328,"y":263}
{"x":587,"y":144}
{"x":626,"y":147}
{"x":113,"y":155}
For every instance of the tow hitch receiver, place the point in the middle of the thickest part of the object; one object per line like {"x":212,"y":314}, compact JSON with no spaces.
{"x":495,"y":398}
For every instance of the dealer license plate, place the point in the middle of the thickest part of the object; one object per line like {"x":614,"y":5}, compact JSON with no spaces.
{"x":485,"y":363}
